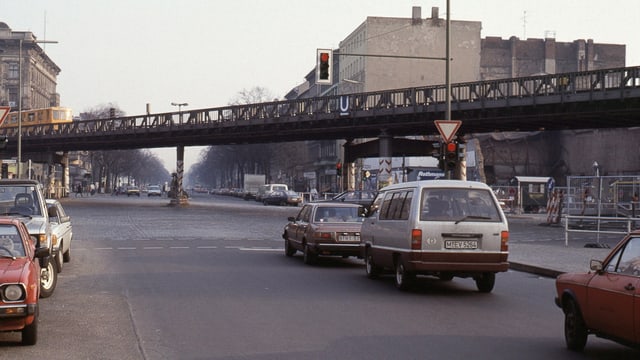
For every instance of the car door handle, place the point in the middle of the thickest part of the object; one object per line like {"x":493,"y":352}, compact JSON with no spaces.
{"x":629,"y":287}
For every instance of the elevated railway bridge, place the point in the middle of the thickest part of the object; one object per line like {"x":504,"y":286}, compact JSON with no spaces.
{"x":608,"y":98}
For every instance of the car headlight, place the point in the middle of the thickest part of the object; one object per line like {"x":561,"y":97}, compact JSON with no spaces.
{"x":13,"y":292}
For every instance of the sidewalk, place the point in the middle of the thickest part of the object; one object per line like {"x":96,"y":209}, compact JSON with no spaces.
{"x":551,"y":257}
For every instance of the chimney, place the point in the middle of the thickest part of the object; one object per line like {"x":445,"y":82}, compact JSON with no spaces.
{"x":435,"y":12}
{"x":416,"y":15}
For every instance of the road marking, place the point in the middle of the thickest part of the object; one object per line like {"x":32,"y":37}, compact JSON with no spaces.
{"x":258,"y":249}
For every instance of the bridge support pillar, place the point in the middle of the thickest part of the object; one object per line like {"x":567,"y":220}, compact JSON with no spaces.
{"x":386,"y":152}
{"x":66,"y":187}
{"x":177,"y":194}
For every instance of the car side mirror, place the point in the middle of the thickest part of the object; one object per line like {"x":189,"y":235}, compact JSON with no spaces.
{"x":595,"y":265}
{"x":41,"y":252}
{"x":291,"y":219}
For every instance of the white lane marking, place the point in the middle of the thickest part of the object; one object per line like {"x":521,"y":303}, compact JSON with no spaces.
{"x":258,"y":249}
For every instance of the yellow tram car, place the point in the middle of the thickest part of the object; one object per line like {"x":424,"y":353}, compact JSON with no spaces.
{"x":36,"y":117}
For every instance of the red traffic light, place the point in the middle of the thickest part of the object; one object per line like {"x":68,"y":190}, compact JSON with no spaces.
{"x":338,"y":166}
{"x":451,"y":147}
{"x":324,"y":57}
{"x":323,"y":67}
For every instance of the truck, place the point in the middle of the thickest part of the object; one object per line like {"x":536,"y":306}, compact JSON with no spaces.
{"x":252,"y":183}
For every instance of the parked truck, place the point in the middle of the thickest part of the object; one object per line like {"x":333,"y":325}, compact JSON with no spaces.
{"x":252,"y":183}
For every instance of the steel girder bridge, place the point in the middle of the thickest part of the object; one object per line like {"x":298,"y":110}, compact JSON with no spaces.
{"x":608,"y":98}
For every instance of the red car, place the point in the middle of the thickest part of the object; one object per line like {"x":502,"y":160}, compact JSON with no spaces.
{"x":19,"y":280}
{"x":606,"y":301}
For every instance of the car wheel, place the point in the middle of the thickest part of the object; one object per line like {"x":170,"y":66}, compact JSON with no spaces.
{"x":288,"y":249}
{"x":575,"y":331}
{"x":48,"y":279}
{"x":309,"y":257}
{"x":66,"y":257}
{"x":372,"y":270}
{"x":59,"y":259}
{"x":485,"y":282}
{"x":30,"y":332}
{"x":402,"y":278}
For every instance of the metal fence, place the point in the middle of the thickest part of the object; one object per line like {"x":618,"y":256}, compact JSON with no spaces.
{"x":601,"y":205}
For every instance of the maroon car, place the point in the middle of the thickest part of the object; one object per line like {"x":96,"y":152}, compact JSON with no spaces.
{"x":19,"y":280}
{"x":324,"y":228}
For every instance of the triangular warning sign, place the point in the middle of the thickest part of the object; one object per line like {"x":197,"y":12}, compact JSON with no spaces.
{"x":447,"y":128}
{"x":4,"y":110}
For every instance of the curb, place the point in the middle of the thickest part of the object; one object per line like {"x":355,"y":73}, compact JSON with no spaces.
{"x":550,"y":273}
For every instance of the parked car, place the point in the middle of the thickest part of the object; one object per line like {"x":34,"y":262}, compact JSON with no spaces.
{"x":277,"y":197}
{"x":19,"y":279}
{"x":324,"y":228}
{"x":154,"y":190}
{"x":133,"y":191}
{"x":362,"y":197}
{"x":24,"y":199}
{"x":443,"y":228}
{"x":293,"y":198}
{"x":61,"y":232}
{"x":604,"y":301}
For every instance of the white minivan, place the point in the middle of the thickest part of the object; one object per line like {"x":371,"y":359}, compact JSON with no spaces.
{"x":443,"y":228}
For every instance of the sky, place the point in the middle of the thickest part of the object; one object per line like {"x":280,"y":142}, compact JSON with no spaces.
{"x":203,"y":52}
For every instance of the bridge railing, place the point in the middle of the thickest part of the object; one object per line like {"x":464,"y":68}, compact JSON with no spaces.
{"x":429,"y":98}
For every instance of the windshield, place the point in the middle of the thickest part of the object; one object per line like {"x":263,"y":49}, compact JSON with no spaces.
{"x":337,"y":214}
{"x":458,"y":205}
{"x":10,"y":241}
{"x":20,"y":199}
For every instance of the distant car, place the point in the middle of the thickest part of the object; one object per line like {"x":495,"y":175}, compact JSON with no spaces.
{"x":277,"y":197}
{"x":133,"y":191}
{"x":293,"y":198}
{"x":604,"y":301}
{"x":19,"y":280}
{"x":362,"y":197}
{"x":61,"y":232}
{"x":324,"y":228}
{"x":154,"y":190}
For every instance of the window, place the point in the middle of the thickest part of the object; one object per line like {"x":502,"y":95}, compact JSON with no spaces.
{"x":627,"y":260}
{"x":13,"y":71}
{"x":456,"y":204}
{"x":396,"y":205}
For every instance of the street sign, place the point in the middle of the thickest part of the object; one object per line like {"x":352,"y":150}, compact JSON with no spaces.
{"x":4,"y":110}
{"x":447,"y":128}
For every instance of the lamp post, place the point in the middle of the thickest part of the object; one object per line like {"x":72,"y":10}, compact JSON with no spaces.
{"x":179,"y":105}
{"x":19,"y":161}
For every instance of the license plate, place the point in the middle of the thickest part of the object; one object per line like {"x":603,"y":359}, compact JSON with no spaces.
{"x":461,"y":244}
{"x":348,"y":238}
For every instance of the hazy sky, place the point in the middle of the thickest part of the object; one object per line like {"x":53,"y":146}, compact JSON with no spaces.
{"x":134,"y":52}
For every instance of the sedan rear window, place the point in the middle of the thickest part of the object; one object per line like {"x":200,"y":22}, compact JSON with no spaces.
{"x":458,"y":205}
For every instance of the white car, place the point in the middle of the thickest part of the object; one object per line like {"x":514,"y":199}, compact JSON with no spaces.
{"x":61,"y":232}
{"x":154,"y":190}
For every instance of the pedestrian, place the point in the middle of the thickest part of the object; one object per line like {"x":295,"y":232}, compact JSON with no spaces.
{"x":79,"y":190}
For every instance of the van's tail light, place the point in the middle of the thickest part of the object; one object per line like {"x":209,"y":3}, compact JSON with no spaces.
{"x":416,"y":239}
{"x":504,"y":241}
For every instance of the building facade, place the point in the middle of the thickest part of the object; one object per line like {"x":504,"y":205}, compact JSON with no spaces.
{"x":24,"y":65}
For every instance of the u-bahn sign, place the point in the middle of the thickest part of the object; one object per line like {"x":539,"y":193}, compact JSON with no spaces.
{"x":447,"y":128}
{"x":4,"y":110}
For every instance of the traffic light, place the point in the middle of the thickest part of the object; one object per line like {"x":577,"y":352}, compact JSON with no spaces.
{"x":339,"y":169}
{"x":112,"y":112}
{"x":451,"y":155}
{"x":5,"y":171}
{"x":3,"y":142}
{"x":324,"y":68}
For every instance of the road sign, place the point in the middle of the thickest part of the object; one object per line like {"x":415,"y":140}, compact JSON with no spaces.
{"x":4,"y":110}
{"x":447,"y":128}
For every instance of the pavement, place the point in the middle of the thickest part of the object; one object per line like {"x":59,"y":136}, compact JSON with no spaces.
{"x":541,"y":248}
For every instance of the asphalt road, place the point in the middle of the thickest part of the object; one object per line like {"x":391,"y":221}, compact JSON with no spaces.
{"x":210,"y":281}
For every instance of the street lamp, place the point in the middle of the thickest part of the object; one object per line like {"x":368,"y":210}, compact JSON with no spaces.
{"x":19,"y":161}
{"x":179,"y":105}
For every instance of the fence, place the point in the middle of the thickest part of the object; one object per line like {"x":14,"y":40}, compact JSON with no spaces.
{"x":601,"y":205}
